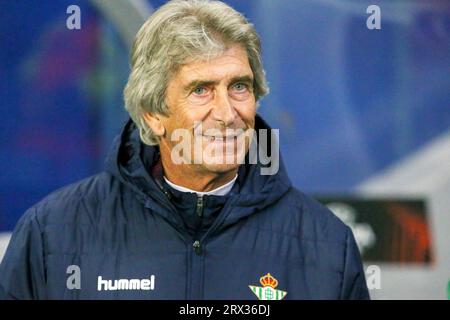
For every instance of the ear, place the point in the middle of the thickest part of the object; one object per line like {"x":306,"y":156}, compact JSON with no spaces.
{"x":154,"y":122}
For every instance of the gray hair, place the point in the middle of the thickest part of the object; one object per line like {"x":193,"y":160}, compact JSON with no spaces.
{"x":178,"y":32}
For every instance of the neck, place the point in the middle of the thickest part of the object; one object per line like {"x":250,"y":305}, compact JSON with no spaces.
{"x":192,"y":177}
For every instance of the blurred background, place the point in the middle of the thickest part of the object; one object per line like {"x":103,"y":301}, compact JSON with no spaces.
{"x":364,"y":115}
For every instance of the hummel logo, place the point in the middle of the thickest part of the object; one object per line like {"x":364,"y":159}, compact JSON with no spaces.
{"x":74,"y":282}
{"x":126,"y":284}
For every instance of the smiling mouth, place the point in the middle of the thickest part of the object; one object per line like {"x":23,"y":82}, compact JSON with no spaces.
{"x":217,"y":138}
{"x":220,"y":138}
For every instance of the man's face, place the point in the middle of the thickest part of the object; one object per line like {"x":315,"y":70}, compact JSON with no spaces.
{"x":216,"y":94}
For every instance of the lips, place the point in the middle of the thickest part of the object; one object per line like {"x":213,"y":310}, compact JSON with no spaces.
{"x":220,"y":138}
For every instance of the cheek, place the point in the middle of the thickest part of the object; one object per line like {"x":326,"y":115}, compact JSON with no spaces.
{"x":191,"y":114}
{"x":185,"y":117}
{"x":247,"y":110}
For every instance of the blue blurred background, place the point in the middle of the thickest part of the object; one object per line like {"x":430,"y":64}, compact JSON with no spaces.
{"x":350,"y":102}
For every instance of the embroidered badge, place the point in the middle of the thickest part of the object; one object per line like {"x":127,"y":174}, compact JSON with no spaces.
{"x":268,"y":291}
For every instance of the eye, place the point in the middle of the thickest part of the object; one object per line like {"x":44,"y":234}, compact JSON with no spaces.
{"x":240,"y":91}
{"x":201,"y":95}
{"x":240,"y":87}
{"x":199,"y":91}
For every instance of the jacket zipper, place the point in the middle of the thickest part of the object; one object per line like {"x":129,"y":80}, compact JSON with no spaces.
{"x":197,"y":247}
{"x":196,"y":253}
{"x":199,"y":206}
{"x":196,"y":260}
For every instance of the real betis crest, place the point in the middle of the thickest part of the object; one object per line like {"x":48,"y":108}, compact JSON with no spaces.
{"x":268,"y":291}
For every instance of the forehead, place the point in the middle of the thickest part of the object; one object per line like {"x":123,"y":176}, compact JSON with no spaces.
{"x":230,"y":64}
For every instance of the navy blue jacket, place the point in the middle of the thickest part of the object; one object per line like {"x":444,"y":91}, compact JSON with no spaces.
{"x":121,"y":234}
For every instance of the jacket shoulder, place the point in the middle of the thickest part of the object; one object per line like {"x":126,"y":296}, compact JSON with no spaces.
{"x":64,"y":205}
{"x":315,"y":221}
{"x":332,"y":242}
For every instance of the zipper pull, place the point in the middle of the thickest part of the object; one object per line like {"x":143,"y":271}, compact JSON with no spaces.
{"x":200,"y":206}
{"x":197,"y":247}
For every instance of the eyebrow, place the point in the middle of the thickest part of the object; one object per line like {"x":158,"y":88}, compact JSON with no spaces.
{"x":247,"y":79}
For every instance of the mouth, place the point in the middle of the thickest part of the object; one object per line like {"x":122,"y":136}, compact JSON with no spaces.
{"x":221,"y":139}
{"x":229,"y":138}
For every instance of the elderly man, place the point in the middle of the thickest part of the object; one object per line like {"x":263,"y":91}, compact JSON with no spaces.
{"x":169,"y":218}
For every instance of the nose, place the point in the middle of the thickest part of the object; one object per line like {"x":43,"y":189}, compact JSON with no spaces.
{"x":223,"y":110}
